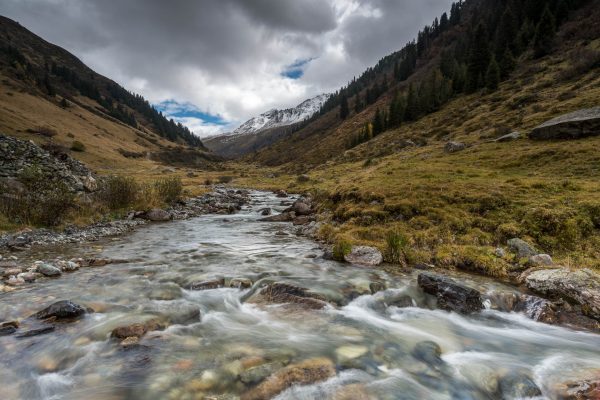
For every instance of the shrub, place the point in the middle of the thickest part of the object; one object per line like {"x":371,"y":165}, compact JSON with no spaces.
{"x":46,"y":131}
{"x":208,"y":182}
{"x":340,"y":249}
{"x":396,"y":248}
{"x":118,"y":192}
{"x":77,"y":146}
{"x":43,"y":201}
{"x":169,"y":189}
{"x":582,"y":61}
{"x":225,"y":179}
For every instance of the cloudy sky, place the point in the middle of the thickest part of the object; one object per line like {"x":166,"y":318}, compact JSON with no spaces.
{"x":212,"y":64}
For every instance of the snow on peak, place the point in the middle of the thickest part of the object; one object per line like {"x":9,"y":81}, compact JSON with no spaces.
{"x":276,"y":118}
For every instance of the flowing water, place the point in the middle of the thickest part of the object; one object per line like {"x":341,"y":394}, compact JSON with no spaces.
{"x":369,"y":338}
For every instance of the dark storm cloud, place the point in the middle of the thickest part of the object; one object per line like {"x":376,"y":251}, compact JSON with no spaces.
{"x":226,"y":56}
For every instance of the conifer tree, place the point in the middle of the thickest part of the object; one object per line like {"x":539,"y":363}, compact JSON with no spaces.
{"x":378,"y":124}
{"x":479,"y":58}
{"x":544,"y":34}
{"x":492,"y":77}
{"x":412,"y":104}
{"x":561,"y":12}
{"x":507,"y":33}
{"x":344,"y":109}
{"x":507,"y":64}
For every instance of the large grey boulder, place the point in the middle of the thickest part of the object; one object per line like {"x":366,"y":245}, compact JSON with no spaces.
{"x":364,"y":255}
{"x":580,"y":286}
{"x":576,"y":125}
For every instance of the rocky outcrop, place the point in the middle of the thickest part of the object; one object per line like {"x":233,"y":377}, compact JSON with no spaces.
{"x":451,"y":296}
{"x":580,"y":287}
{"x":16,"y":155}
{"x":364,"y":255}
{"x":576,"y":125}
{"x":454,"y":147}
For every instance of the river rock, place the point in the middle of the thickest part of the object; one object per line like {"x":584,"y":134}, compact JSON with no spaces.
{"x":303,"y":373}
{"x":207,"y":285}
{"x":36,"y":331}
{"x":575,"y":125}
{"x":7,"y":330}
{"x":516,"y":385}
{"x":158,"y":215}
{"x":429,"y":352}
{"x":240,"y":283}
{"x":64,"y":309}
{"x":282,"y":293}
{"x":136,"y":330}
{"x":67,"y":266}
{"x":302,"y":207}
{"x":283,"y":217}
{"x":521,"y":248}
{"x":15,"y":281}
{"x":581,"y":286}
{"x":454,"y":147}
{"x":258,"y":373}
{"x":345,"y":353}
{"x":451,"y":296}
{"x":48,"y":270}
{"x":265,"y":211}
{"x":364,"y":255}
{"x":281,"y":193}
{"x":28,"y":277}
{"x":11,"y":271}
{"x":302,"y":220}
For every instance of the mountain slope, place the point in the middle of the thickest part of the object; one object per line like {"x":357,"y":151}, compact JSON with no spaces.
{"x":441,"y":65}
{"x":50,"y":96}
{"x":259,"y":132}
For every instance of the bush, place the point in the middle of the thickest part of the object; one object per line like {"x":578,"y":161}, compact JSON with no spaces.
{"x":118,"y":192}
{"x":340,"y":249}
{"x":169,"y":189}
{"x":77,"y":146}
{"x":43,"y":202}
{"x":45,"y":131}
{"x":208,"y":182}
{"x":396,"y":248}
{"x":583,"y":60}
{"x":225,"y":179}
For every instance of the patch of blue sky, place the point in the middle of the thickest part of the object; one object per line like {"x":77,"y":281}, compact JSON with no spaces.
{"x":296,"y":69}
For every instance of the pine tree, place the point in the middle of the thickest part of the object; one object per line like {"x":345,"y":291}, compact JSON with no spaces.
{"x":344,"y":109}
{"x":378,"y":124}
{"x":525,"y":35}
{"x":479,"y":58}
{"x":544,"y":34}
{"x":412,"y":104}
{"x":492,"y":77}
{"x":561,"y":12}
{"x":358,"y":105}
{"x":507,"y":64}
{"x":506,"y":34}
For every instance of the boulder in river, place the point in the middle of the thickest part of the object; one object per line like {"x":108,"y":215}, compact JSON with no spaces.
{"x":576,"y":125}
{"x":451,"y":296}
{"x":283,"y":217}
{"x":64,"y":309}
{"x":429,"y":352}
{"x":516,"y":385}
{"x":364,"y":255}
{"x":240,"y":283}
{"x":265,"y":211}
{"x":48,"y":270}
{"x":303,"y":373}
{"x":580,"y":286}
{"x":136,"y":330}
{"x":302,"y":206}
{"x":282,"y":293}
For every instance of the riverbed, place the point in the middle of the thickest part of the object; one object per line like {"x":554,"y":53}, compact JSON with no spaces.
{"x":380,"y":336}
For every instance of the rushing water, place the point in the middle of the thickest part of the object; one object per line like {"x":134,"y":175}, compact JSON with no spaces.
{"x":370,"y":341}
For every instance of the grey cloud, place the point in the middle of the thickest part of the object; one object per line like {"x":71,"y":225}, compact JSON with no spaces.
{"x":225,"y":56}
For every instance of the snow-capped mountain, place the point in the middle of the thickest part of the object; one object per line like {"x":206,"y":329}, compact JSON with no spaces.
{"x":263,"y":130}
{"x":276,"y":118}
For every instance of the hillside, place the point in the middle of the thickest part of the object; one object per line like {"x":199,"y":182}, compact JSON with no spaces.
{"x":427,"y":73}
{"x":454,"y":207}
{"x":265,"y":129}
{"x":49,"y":96}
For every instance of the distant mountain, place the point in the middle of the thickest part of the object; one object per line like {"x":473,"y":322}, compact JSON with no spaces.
{"x":264,"y":129}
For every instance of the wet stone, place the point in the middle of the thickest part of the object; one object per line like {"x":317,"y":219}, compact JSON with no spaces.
{"x":451,"y":296}
{"x":64,"y":309}
{"x":429,"y":352}
{"x":207,"y":285}
{"x":48,"y":270}
{"x":516,"y":385}
{"x":36,"y":331}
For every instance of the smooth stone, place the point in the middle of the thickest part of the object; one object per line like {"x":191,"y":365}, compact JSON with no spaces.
{"x":64,"y":309}
{"x":48,"y":270}
{"x":451,"y":296}
{"x":364,"y":255}
{"x":36,"y":332}
{"x":350,"y":352}
{"x":521,"y":248}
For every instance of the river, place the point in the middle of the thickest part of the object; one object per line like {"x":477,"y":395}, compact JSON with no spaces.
{"x":215,"y":337}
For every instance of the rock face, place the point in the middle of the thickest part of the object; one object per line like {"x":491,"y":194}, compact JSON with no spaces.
{"x":64,"y":309}
{"x":576,"y":125}
{"x":454,"y":147}
{"x":16,"y":155}
{"x":364,"y":255}
{"x":575,"y":286}
{"x":303,"y":373}
{"x":451,"y":295}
